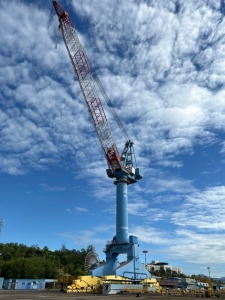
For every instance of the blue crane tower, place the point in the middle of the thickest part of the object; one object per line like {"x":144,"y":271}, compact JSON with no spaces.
{"x":122,"y":168}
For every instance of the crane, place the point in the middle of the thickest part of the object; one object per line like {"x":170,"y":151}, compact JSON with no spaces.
{"x":121,"y":167}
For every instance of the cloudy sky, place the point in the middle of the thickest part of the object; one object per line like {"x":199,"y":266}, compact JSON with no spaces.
{"x":162,"y":64}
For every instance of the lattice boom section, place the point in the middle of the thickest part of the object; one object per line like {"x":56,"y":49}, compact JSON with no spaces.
{"x":86,"y":81}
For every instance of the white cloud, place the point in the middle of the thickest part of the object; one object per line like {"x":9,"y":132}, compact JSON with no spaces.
{"x":80,"y":210}
{"x":189,"y":244}
{"x":203,"y":210}
{"x":53,"y":188}
{"x":84,"y":238}
{"x":152,"y":236}
{"x":154,"y":74}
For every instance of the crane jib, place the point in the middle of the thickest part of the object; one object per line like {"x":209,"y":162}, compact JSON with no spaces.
{"x":83,"y":71}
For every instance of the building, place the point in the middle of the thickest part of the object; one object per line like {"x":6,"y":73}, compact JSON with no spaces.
{"x":183,"y":283}
{"x":26,"y":284}
{"x":1,"y":282}
{"x":162,"y":266}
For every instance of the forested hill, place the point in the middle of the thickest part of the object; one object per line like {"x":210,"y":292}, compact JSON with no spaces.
{"x":20,"y":261}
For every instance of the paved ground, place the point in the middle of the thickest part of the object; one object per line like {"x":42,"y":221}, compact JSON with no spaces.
{"x":57,"y":295}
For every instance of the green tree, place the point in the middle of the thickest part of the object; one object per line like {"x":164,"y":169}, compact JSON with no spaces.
{"x":20,"y":261}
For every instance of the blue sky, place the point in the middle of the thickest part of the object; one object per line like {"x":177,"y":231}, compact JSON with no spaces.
{"x":162,"y":64}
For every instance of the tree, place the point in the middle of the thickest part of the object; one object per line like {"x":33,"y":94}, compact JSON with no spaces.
{"x":19,"y":261}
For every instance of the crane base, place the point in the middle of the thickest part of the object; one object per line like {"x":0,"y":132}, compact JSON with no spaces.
{"x":131,"y":268}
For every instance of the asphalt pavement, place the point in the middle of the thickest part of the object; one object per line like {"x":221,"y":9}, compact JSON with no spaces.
{"x":57,"y":295}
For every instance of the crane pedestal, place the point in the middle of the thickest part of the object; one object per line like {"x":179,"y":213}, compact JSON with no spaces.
{"x":132,"y":268}
{"x":122,"y":243}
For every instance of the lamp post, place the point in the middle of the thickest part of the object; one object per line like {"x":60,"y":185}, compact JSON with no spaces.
{"x":208,"y":271}
{"x":145,"y":252}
